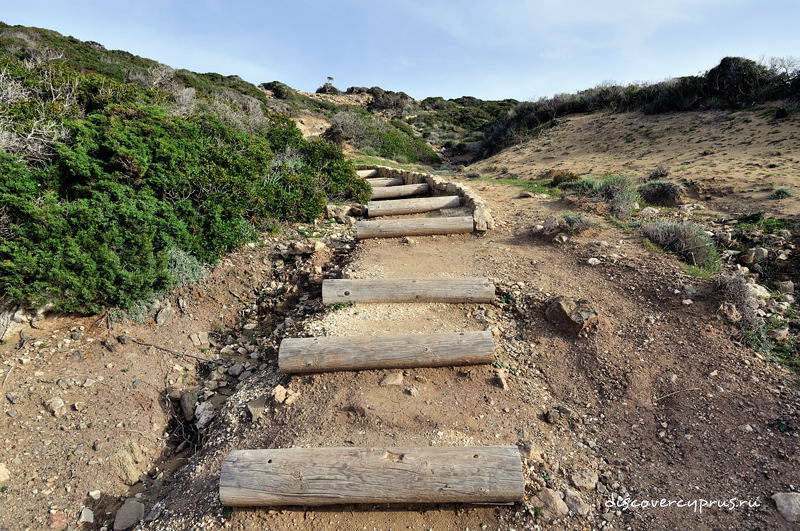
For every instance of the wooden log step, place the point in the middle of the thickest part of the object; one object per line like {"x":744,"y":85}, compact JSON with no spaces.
{"x":406,"y":190}
{"x":320,"y":354}
{"x":395,"y":207}
{"x":387,"y":181}
{"x":331,"y":476}
{"x":367,"y":173}
{"x":407,"y":290}
{"x":395,"y":228}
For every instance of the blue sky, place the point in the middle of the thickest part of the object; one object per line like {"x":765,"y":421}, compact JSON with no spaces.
{"x":489,"y":49}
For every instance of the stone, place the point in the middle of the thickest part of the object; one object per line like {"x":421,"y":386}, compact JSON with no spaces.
{"x":584,"y":479}
{"x":785,"y":287}
{"x":572,"y":315}
{"x":188,"y":404}
{"x":760,"y":254}
{"x":126,"y":467}
{"x":576,"y":503}
{"x":532,"y":452}
{"x":550,"y":502}
{"x":779,"y":334}
{"x":163,"y":314}
{"x":392,"y":378}
{"x":501,"y":378}
{"x":130,"y":514}
{"x":86,"y":516}
{"x":279,"y":394}
{"x":256,"y":408}
{"x":593,"y":261}
{"x":200,"y":339}
{"x":758,"y":291}
{"x":729,"y":311}
{"x":235,"y":369}
{"x":407,"y":240}
{"x":747,"y":258}
{"x":687,"y":302}
{"x":561,"y":238}
{"x":306,"y":247}
{"x":649,"y":211}
{"x":204,"y":414}
{"x":56,"y":407}
{"x":788,"y":504}
{"x":95,"y":494}
{"x":5,"y":475}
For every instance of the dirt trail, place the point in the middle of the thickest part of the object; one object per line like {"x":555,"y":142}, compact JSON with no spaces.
{"x":653,"y":403}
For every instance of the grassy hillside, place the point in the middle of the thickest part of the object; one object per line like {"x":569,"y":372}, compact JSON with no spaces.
{"x":122,"y":177}
{"x":735,"y":83}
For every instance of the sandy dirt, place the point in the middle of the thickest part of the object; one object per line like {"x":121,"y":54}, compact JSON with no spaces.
{"x":733,"y":159}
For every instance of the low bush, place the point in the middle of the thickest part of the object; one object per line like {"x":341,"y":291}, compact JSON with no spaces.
{"x":661,"y":172}
{"x":781,"y":193}
{"x":663,"y":193}
{"x":558,"y":177}
{"x":585,"y":186}
{"x":686,"y":239}
{"x":620,"y":193}
{"x":393,"y":140}
{"x":328,"y":88}
{"x":575,"y":223}
{"x":736,"y":291}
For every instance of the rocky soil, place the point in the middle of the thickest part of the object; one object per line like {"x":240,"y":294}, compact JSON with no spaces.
{"x":636,"y":385}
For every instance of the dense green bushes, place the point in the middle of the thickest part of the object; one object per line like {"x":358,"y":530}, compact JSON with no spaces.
{"x":736,"y":82}
{"x":393,"y":140}
{"x":122,"y":196}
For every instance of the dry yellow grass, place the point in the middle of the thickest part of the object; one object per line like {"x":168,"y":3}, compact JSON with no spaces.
{"x":730,"y":158}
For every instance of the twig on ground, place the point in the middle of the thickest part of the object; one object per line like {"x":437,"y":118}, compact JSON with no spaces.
{"x":165,"y":349}
{"x":675,"y":393}
{"x":5,"y":378}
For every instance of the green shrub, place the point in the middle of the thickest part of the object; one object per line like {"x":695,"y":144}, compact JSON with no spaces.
{"x":687,"y":240}
{"x":781,"y":193}
{"x":393,"y":140}
{"x":133,"y":198}
{"x":620,"y":193}
{"x":575,"y":223}
{"x":662,"y":193}
{"x":558,"y":177}
{"x":585,"y":186}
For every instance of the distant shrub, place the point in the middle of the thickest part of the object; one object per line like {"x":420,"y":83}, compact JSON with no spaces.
{"x":585,"y":186}
{"x":393,"y":140}
{"x":575,"y":223}
{"x":781,"y":193}
{"x":328,"y":88}
{"x":473,"y":175}
{"x":661,"y":172}
{"x":388,"y":100}
{"x":558,"y":177}
{"x":662,"y":193}
{"x":687,"y":240}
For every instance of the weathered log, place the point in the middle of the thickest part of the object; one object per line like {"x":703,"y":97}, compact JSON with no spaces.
{"x":330,"y":476}
{"x":336,"y":291}
{"x":367,"y":173}
{"x":395,"y":207}
{"x":395,"y":228}
{"x":406,"y":190}
{"x":320,"y":354}
{"x":386,"y":181}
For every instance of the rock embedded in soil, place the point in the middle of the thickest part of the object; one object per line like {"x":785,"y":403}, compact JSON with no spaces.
{"x":163,"y":314}
{"x":584,"y":479}
{"x":571,"y":314}
{"x":576,"y":503}
{"x":788,"y":504}
{"x":393,"y":378}
{"x":5,"y":475}
{"x":256,"y":408}
{"x":130,"y":514}
{"x":550,"y":501}
{"x":86,"y":516}
{"x":188,"y":404}
{"x":56,"y":407}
